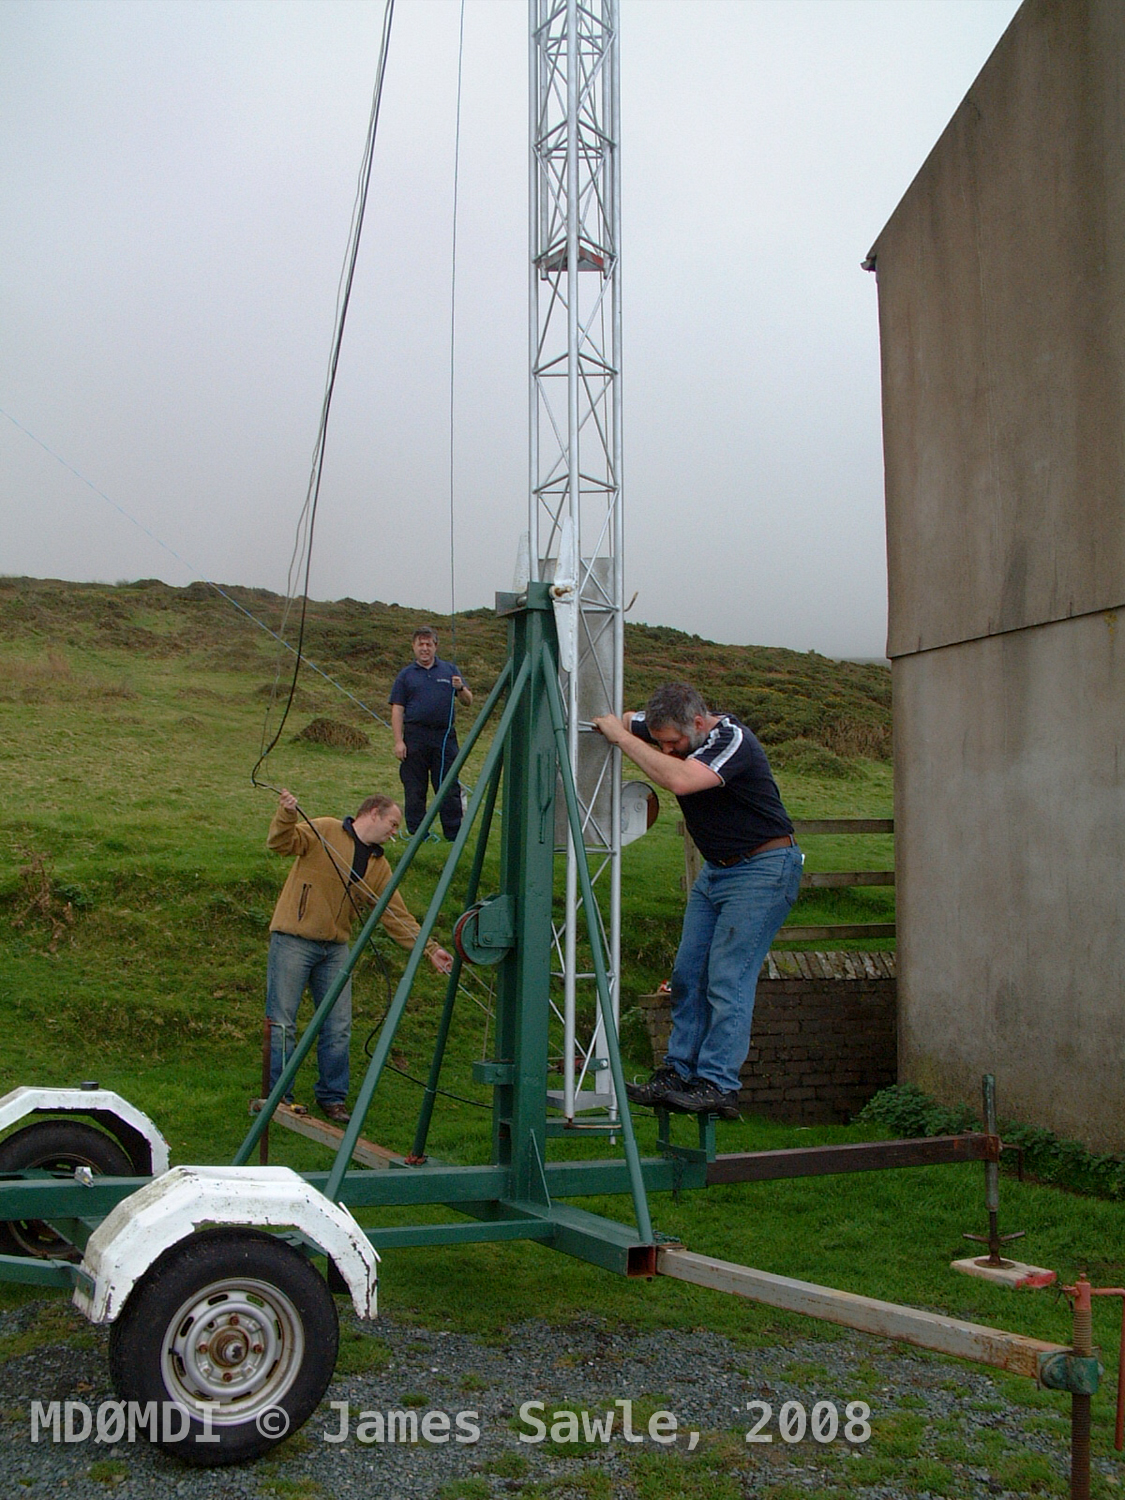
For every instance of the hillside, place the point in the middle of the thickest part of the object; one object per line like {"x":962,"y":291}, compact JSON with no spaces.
{"x":815,"y":713}
{"x":135,"y":900}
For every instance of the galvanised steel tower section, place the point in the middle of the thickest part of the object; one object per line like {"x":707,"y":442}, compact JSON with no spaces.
{"x":575,"y":451}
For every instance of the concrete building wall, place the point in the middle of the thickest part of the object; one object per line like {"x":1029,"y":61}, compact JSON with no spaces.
{"x":1002,"y":319}
{"x":1010,"y":831}
{"x":1002,"y":310}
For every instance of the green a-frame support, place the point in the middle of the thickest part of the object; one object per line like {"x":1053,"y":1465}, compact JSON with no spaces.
{"x":519,"y":1193}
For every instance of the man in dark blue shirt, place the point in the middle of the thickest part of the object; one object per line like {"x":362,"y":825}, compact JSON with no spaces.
{"x":423,"y":700}
{"x":750,"y":878}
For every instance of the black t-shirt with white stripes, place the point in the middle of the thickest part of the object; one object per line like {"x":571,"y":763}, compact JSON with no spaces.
{"x":746,"y":809}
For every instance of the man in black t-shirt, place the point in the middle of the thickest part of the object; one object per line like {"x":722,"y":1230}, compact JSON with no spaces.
{"x":750,"y":878}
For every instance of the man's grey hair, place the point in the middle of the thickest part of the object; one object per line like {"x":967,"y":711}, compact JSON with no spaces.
{"x":675,"y":704}
{"x":425,"y":633}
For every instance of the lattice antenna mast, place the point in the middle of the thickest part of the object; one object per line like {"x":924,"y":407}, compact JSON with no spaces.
{"x":575,"y":450}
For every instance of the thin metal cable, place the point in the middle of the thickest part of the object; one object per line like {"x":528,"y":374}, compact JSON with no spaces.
{"x":338,"y":863}
{"x":183,"y":561}
{"x":453,"y":343}
{"x":307,"y":520}
{"x":347,"y":881}
{"x":452,"y":383}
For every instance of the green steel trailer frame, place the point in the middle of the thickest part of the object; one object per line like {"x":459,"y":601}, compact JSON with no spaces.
{"x":212,"y":1314}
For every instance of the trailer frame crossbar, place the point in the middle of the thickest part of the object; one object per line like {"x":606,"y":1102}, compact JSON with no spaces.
{"x":853,"y":1156}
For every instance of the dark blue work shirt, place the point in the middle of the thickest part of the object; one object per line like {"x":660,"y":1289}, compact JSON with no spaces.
{"x":745,"y":809}
{"x":425,"y":694}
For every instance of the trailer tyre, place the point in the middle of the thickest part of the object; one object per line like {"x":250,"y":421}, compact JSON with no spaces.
{"x":55,"y":1146}
{"x":235,"y":1329}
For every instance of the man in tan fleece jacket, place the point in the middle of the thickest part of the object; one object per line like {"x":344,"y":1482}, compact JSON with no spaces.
{"x":340,"y":871}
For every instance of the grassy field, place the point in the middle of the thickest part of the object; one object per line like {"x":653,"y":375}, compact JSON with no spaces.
{"x":135,"y":894}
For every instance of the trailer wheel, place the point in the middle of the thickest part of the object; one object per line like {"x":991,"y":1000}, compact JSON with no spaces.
{"x":55,"y":1146}
{"x":235,"y":1329}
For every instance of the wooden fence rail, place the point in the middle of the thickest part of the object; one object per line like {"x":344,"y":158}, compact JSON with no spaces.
{"x":821,"y":880}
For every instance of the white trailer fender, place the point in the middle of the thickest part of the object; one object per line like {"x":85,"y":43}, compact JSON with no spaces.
{"x":170,"y":1208}
{"x":124,"y":1120}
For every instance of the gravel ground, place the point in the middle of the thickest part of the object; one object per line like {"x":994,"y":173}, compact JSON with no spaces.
{"x":937,"y":1427}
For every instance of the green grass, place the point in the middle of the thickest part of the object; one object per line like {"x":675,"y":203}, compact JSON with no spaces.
{"x":108,"y":1471}
{"x":134,"y":953}
{"x":360,"y":1353}
{"x":820,"y":714}
{"x":54,"y":1323}
{"x":471,"y":1488}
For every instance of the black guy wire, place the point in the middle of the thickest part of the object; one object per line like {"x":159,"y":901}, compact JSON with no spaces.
{"x":192,"y":569}
{"x":381,"y":964}
{"x":402,"y":1073}
{"x":307,"y":520}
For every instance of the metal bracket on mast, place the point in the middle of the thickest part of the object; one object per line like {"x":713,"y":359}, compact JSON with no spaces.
{"x":564,"y":597}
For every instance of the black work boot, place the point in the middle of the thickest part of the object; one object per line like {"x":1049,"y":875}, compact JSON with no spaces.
{"x":700,"y":1097}
{"x":659,"y":1086}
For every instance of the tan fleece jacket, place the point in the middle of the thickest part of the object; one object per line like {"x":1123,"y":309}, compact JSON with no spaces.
{"x":315,"y":901}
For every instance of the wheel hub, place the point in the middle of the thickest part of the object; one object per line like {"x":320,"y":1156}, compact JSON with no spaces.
{"x":228,"y":1348}
{"x":234,"y":1348}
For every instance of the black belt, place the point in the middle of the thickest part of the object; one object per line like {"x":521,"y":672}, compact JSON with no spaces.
{"x":785,"y":841}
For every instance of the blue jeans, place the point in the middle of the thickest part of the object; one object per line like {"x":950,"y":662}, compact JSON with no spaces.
{"x":293,"y":963}
{"x":732,"y":916}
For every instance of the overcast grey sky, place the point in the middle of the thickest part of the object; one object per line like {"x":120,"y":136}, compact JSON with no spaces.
{"x":176,"y":182}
